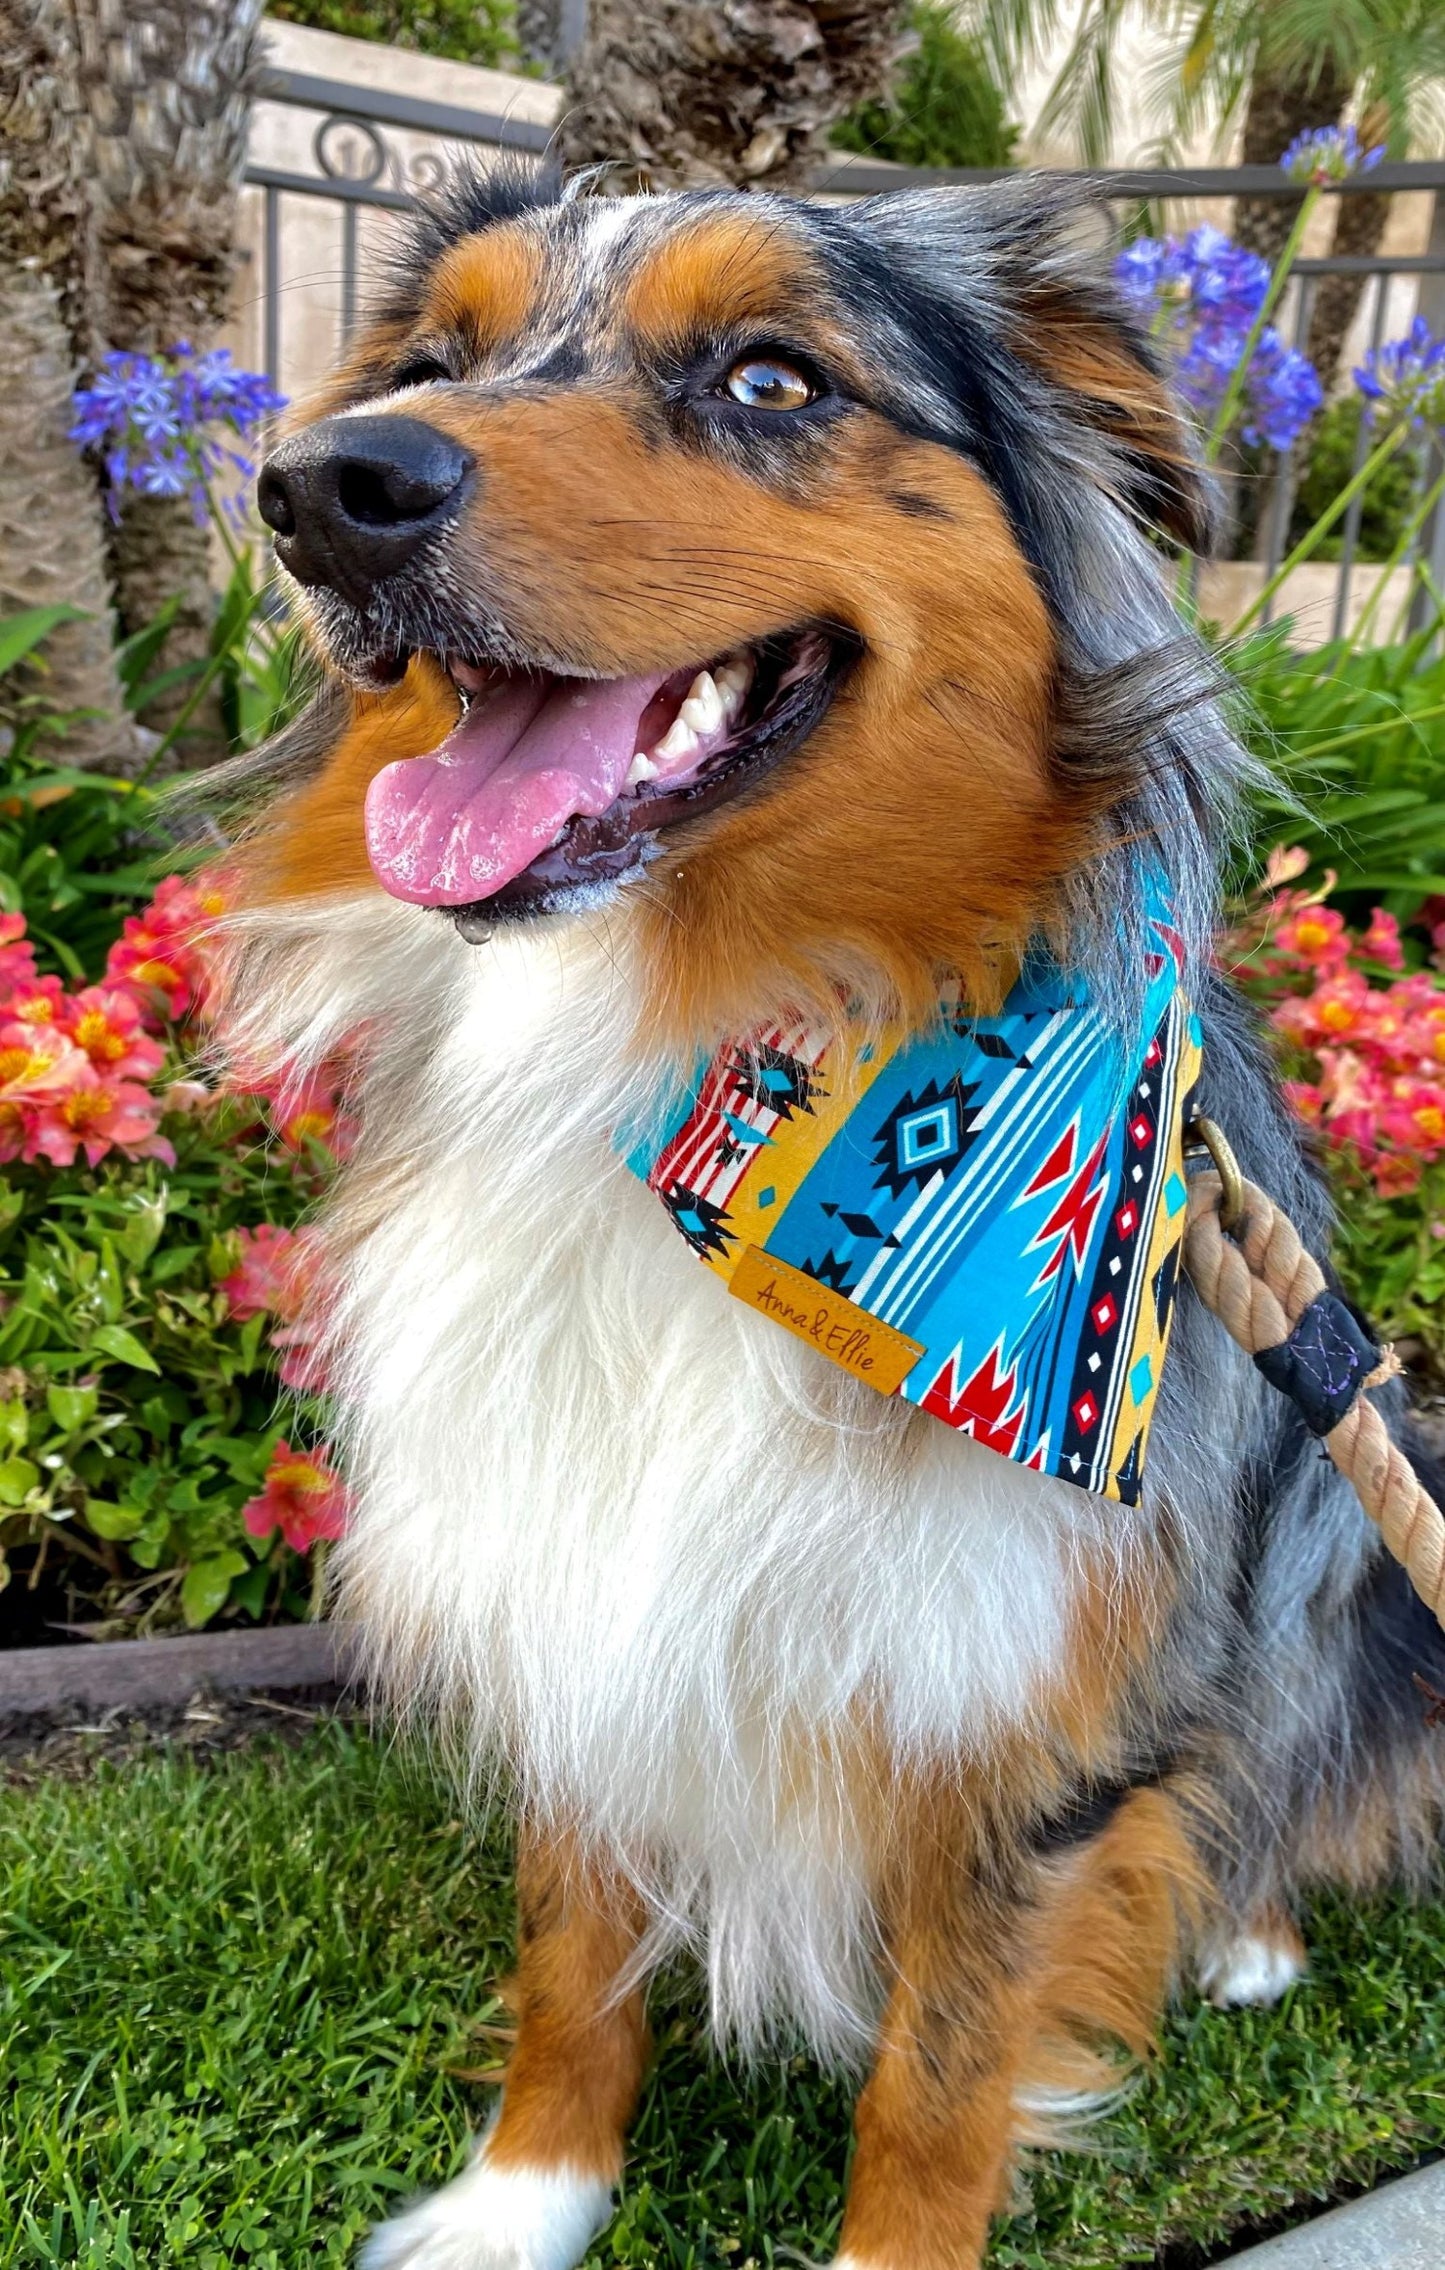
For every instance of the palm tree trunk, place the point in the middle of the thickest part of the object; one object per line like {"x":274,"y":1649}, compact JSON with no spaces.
{"x":167,"y":85}
{"x":681,"y":93}
{"x":52,"y":525}
{"x":1359,"y":229}
{"x":1281,"y":105}
{"x":52,"y":536}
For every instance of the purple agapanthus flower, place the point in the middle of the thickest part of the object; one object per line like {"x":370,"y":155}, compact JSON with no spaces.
{"x":1282,"y":392}
{"x":1407,"y":376}
{"x":1328,"y":153}
{"x":1203,"y":293}
{"x":153,"y":419}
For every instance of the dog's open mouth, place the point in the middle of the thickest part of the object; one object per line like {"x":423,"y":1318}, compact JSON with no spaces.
{"x":549,"y":784}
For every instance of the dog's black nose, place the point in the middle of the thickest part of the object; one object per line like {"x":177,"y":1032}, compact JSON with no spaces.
{"x":353,"y":499}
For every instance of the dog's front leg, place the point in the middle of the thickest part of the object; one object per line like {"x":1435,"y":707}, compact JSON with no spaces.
{"x":935,"y":2120}
{"x":1014,"y":1960}
{"x":540,"y":2186}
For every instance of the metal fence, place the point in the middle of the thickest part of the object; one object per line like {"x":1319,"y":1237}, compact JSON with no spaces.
{"x":360,"y":166}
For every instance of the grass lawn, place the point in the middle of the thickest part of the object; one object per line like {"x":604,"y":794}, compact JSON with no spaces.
{"x":240,"y":2002}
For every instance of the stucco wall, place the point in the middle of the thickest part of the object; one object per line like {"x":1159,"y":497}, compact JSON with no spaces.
{"x":310,"y":229}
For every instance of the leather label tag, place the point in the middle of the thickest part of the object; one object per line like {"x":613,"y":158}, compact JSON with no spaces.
{"x":846,"y":1334}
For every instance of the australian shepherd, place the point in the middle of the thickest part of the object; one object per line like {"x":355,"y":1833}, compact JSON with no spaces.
{"x":729,"y":609}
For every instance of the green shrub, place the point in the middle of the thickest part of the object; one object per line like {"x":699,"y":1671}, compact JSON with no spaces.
{"x":469,"y":31}
{"x":1356,"y":742}
{"x":136,"y":1419}
{"x":945,"y":108}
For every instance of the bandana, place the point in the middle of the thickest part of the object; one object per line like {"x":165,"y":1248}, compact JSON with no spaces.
{"x":985,"y":1219}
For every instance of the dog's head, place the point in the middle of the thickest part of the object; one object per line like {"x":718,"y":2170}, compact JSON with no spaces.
{"x":754,"y":560}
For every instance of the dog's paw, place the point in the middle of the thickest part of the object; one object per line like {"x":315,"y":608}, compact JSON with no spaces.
{"x":495,"y":2219}
{"x":1253,"y":1967}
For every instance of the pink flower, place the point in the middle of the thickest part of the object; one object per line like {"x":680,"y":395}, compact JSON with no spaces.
{"x":1381,"y":942}
{"x":17,"y":955}
{"x":37,"y":1065}
{"x":305,"y":1108}
{"x":303,"y":1496}
{"x":95,"y":1114}
{"x":276,"y":1276}
{"x":159,"y":955}
{"x":1284,"y":865}
{"x":107,"y":1025}
{"x":303,"y":1367}
{"x":36,"y":1001}
{"x":269,"y":1277}
{"x":1335,"y":1008}
{"x":154,"y":967}
{"x":1313,"y":937}
{"x":1395,"y":1175}
{"x":187,"y":1096}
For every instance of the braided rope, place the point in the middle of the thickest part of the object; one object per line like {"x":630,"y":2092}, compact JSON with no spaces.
{"x":1258,"y":1280}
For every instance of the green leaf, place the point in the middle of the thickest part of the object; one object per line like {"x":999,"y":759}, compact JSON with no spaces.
{"x":142,"y":1232}
{"x":251,"y":1332}
{"x":206,"y":1584}
{"x":114,"y":1521}
{"x":18,"y":1477}
{"x":134,"y":655}
{"x":114,"y":1340}
{"x":249,"y":1591}
{"x":70,"y":1407}
{"x":21,"y":634}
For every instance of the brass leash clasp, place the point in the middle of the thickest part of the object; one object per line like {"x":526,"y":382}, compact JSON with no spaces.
{"x":1205,"y":1135}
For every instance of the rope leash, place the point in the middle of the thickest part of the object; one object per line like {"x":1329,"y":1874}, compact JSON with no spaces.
{"x":1251,"y":1270}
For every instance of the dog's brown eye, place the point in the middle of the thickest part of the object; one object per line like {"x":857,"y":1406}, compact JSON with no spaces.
{"x":763,"y":382}
{"x":422,"y":370}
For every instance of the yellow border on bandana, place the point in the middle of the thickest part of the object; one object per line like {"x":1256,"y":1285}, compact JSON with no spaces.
{"x":795,"y":1146}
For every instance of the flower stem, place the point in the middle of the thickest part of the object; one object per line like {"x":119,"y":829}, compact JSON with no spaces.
{"x":182,"y":717}
{"x":1403,"y":542}
{"x":1233,"y":393}
{"x":1313,"y":537}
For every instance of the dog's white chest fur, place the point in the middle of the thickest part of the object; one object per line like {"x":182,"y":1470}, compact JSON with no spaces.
{"x":665,"y":1559}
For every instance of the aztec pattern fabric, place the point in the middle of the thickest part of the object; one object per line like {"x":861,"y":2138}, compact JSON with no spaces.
{"x":986,"y":1219}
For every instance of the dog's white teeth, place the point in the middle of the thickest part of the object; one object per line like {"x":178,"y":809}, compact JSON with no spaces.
{"x":678,"y":741}
{"x":641,"y":768}
{"x":703,"y":707}
{"x":733,"y":680}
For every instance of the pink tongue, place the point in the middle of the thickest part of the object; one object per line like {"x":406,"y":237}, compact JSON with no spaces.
{"x":455,"y":826}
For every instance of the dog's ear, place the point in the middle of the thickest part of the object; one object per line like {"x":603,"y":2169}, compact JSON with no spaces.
{"x":1014,"y":282}
{"x":1073,"y":325}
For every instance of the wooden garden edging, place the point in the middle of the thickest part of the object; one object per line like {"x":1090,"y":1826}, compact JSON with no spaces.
{"x":134,"y":1672}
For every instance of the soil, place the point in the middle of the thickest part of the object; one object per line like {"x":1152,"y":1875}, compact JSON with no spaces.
{"x":43,"y":1613}
{"x":68,"y":1745}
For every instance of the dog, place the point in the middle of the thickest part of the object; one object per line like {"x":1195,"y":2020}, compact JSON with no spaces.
{"x":740,"y":616}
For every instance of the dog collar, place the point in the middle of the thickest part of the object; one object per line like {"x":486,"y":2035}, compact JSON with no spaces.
{"x":985,"y":1219}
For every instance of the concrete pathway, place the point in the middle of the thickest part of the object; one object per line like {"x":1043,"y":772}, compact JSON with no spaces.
{"x":1399,"y":2227}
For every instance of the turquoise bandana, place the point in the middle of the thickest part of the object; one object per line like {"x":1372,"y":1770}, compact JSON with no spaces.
{"x":985,"y":1220}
